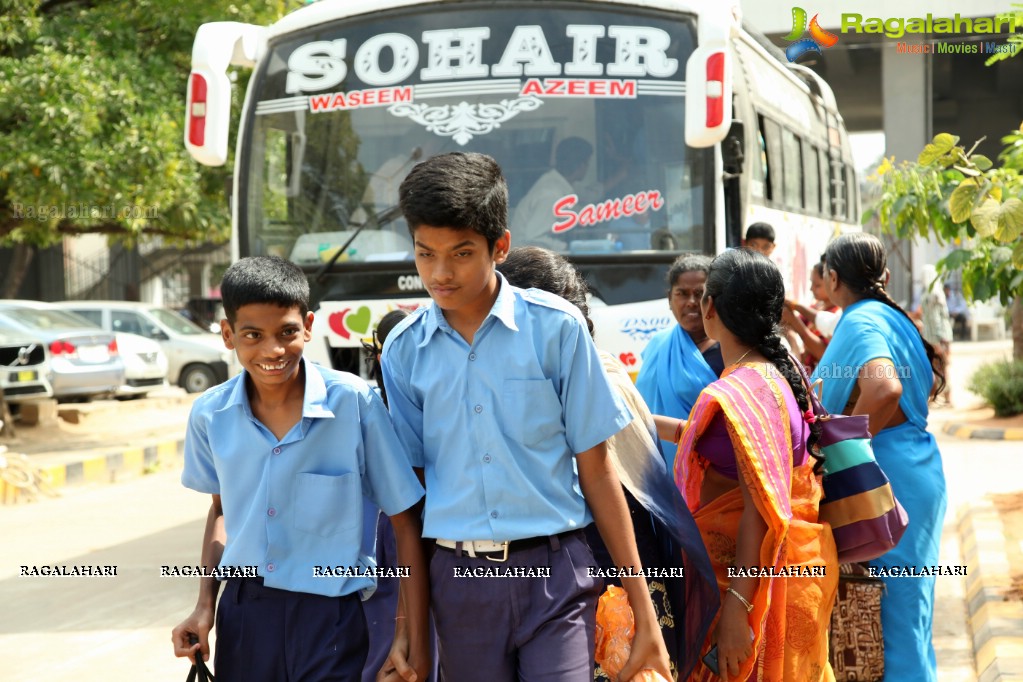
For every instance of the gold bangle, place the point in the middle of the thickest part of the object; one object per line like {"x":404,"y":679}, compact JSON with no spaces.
{"x":745,"y":602}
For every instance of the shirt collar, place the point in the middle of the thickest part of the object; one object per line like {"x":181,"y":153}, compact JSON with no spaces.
{"x":503,"y":309}
{"x":314,"y":400}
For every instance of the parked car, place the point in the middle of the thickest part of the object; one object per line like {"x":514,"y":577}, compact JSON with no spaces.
{"x":23,"y":367}
{"x":197,"y":358}
{"x":145,"y":365}
{"x":83,"y":361}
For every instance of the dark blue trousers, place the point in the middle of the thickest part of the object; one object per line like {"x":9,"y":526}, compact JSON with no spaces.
{"x":517,"y":629}
{"x":271,"y":635}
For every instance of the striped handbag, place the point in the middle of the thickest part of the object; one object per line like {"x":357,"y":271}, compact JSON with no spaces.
{"x":858,"y":502}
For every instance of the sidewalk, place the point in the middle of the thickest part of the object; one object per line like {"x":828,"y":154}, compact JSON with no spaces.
{"x":983,"y":473}
{"x":111,"y":440}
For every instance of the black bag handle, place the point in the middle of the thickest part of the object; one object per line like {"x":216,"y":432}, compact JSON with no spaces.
{"x":199,"y":671}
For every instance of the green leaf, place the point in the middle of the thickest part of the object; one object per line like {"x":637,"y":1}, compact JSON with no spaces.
{"x":985,"y":218}
{"x":981,"y":161}
{"x":1017,"y":256}
{"x":955,"y":260}
{"x":960,"y":203}
{"x":941,"y":145}
{"x":1010,"y":220}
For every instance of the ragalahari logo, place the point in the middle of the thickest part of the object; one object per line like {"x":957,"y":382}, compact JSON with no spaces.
{"x":818,"y":36}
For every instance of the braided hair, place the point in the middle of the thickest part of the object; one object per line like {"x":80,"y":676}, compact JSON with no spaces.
{"x":749,"y":295}
{"x":859,"y":260}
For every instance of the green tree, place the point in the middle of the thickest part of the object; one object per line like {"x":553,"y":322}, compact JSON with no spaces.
{"x":961,"y":198}
{"x":91,"y":122}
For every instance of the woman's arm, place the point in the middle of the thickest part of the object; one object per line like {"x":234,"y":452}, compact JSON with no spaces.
{"x":880,"y":391}
{"x":733,"y":631}
{"x":669,"y":428}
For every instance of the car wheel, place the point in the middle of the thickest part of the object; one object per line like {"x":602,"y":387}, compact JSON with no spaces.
{"x":197,"y":378}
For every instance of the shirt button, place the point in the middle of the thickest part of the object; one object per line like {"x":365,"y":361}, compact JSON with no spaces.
{"x":271,"y":512}
{"x":472,"y":356}
{"x":486,"y":458}
{"x":271,"y":567}
{"x":493,"y":514}
{"x":277,"y":451}
{"x":478,"y":408}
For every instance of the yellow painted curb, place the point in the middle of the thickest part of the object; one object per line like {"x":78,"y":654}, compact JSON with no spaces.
{"x":975,"y":432}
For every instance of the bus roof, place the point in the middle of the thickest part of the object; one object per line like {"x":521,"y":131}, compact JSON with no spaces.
{"x":329,"y":10}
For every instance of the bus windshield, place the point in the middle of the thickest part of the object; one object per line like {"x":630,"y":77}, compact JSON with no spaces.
{"x":583,"y":109}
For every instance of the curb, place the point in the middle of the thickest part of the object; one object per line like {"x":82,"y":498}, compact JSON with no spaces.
{"x":996,"y":624}
{"x":970,"y":431}
{"x":100,"y":466}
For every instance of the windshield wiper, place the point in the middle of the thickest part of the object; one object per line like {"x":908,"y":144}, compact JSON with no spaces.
{"x":382,"y":219}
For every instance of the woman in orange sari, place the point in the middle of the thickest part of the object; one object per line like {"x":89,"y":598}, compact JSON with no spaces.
{"x":745,"y":467}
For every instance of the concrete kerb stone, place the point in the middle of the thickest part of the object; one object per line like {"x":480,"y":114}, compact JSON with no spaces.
{"x":972,"y":431}
{"x":996,"y":624}
{"x":106,"y":465}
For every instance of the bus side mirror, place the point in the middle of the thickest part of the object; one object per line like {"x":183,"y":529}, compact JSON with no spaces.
{"x":732,"y":148}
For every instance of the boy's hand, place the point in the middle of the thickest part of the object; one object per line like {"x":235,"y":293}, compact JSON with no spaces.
{"x":648,"y":651}
{"x":403,"y":664}
{"x":197,"y":625}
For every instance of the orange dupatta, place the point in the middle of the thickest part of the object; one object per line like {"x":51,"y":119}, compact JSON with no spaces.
{"x":790,"y":616}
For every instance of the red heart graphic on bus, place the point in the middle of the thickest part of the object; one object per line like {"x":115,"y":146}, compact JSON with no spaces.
{"x":336,"y":322}
{"x":628,"y":359}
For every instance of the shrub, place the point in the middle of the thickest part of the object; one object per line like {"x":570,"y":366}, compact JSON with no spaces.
{"x":1001,"y":385}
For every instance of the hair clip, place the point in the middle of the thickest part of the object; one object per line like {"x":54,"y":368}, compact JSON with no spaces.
{"x":809,"y":417}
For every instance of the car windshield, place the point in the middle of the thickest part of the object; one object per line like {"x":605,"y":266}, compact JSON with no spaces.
{"x":38,"y":318}
{"x":175,"y":322}
{"x":583,"y":107}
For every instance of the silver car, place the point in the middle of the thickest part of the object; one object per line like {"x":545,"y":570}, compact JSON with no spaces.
{"x":196,"y":358}
{"x":83,"y":360}
{"x":23,"y":368}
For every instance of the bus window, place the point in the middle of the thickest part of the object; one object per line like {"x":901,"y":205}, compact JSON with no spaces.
{"x":837,"y":189}
{"x":851,"y":186}
{"x":793,"y":171}
{"x":593,"y":165}
{"x":775,"y":171}
{"x":758,"y":163}
{"x":811,"y":179}
{"x":825,"y":183}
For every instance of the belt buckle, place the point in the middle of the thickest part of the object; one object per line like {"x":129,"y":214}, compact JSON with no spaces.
{"x":504,"y":555}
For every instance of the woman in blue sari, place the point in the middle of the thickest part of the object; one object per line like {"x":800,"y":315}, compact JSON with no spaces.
{"x":680,"y":361}
{"x":878,"y":364}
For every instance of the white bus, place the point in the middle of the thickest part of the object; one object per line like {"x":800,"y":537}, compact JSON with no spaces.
{"x":628,"y":131}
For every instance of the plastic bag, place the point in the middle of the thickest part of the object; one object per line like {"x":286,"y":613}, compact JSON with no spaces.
{"x":615,"y":629}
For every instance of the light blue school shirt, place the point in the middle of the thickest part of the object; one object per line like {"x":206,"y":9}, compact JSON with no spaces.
{"x":293,"y":504}
{"x":496,"y":424}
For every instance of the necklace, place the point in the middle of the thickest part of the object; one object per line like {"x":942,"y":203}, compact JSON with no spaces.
{"x":741,"y":357}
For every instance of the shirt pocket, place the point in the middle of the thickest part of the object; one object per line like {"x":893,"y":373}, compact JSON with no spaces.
{"x":328,"y":505}
{"x":532,"y":412}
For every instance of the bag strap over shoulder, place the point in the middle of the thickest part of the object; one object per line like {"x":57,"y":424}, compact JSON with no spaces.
{"x":818,"y":408}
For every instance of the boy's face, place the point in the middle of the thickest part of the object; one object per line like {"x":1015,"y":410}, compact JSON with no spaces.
{"x":457,"y":267}
{"x":269,"y":340}
{"x":762,"y":245}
